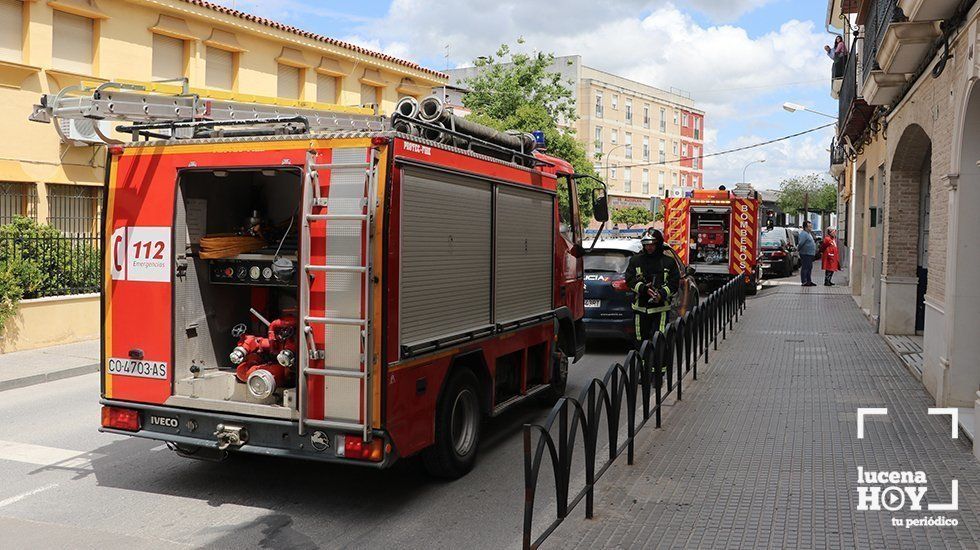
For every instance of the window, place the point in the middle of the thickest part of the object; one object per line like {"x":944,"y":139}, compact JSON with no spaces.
{"x":370,"y":95}
{"x":326,"y":88}
{"x":660,"y":183}
{"x":695,"y":181}
{"x":74,"y":209}
{"x":675,"y":148}
{"x":663,"y":151}
{"x":684,"y":120}
{"x":615,"y":102}
{"x":663,"y":120}
{"x":168,"y":57}
{"x":598,"y":167}
{"x":629,"y":145}
{"x":17,"y":199}
{"x":646,"y":115}
{"x":676,"y":114}
{"x":627,"y":178}
{"x":673,"y":178}
{"x":598,"y":139}
{"x":629,"y":111}
{"x":683,"y":150}
{"x":614,"y":136}
{"x":73,"y":43}
{"x":696,"y":153}
{"x":646,"y":181}
{"x":598,"y":104}
{"x":612,"y":172}
{"x":288,"y":84}
{"x":646,"y":147}
{"x":219,"y":70}
{"x":11,"y":30}
{"x":697,"y":127}
{"x":683,"y":180}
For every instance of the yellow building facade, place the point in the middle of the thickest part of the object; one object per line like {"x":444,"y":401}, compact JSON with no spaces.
{"x":46,"y":46}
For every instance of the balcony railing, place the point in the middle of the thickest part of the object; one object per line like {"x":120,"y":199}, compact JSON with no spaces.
{"x":849,"y":88}
{"x":883,"y":13}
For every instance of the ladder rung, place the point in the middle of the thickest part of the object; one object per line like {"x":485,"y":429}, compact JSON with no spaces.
{"x":340,"y":166}
{"x":337,"y":321}
{"x":337,"y":217}
{"x":335,"y":424}
{"x":335,"y":372}
{"x":337,"y":268}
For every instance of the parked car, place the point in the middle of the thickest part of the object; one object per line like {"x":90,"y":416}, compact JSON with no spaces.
{"x":779,"y":252}
{"x":608,"y":298}
{"x":794,"y":232}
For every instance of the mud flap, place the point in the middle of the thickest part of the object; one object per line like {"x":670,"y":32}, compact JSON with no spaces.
{"x":571,"y":334}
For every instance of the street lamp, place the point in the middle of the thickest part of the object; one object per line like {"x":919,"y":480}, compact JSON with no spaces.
{"x":606,"y":162}
{"x":793,"y":107}
{"x":747,"y":167}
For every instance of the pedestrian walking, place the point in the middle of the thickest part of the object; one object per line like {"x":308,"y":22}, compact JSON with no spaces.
{"x":807,"y":249}
{"x":654,"y":278}
{"x":830,"y":261}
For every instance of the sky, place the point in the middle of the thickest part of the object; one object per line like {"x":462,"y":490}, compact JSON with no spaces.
{"x":740,"y":59}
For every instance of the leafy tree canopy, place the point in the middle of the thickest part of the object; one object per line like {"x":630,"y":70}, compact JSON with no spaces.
{"x":515,"y":91}
{"x":632,"y":215}
{"x":793,"y":194}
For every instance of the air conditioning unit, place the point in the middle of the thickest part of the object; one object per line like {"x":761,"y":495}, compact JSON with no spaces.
{"x":83,"y":131}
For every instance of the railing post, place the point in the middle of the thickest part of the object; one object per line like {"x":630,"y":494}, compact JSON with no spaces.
{"x":528,"y":488}
{"x":590,"y":455}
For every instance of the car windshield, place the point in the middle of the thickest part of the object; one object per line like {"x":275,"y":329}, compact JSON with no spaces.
{"x":774,"y":237}
{"x":607,"y":261}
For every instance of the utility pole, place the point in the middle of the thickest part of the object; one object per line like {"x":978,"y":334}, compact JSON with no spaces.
{"x":806,"y":207}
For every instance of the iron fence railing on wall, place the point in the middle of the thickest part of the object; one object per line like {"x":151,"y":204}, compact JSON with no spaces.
{"x":849,"y":87}
{"x":74,"y":209}
{"x":883,"y":13}
{"x":656,"y":371}
{"x":53,"y":265}
{"x":17,"y":199}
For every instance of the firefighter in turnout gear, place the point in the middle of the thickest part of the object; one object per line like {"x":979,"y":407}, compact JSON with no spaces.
{"x":654,"y":279}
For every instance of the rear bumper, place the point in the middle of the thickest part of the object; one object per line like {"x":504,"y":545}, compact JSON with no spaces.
{"x":266,"y":436}
{"x":610,"y":328}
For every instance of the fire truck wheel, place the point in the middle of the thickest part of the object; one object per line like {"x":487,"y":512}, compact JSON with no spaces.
{"x":458,"y":419}
{"x":559,"y":380}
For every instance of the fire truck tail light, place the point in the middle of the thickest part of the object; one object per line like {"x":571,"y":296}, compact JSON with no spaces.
{"x":378,"y":141}
{"x":352,"y":446}
{"x":120,"y":419}
{"x":620,"y":285}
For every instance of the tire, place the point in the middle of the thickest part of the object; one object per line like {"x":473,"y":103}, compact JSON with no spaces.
{"x":458,"y":423}
{"x":752,"y":287}
{"x":559,"y":380}
{"x":788,"y":271}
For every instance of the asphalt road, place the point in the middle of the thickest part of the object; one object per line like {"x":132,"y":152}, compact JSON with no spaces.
{"x":64,"y":484}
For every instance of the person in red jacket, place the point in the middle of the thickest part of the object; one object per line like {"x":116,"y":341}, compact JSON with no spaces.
{"x":831,"y":262}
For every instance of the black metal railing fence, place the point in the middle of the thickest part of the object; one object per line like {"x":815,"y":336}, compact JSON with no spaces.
{"x":52,"y":265}
{"x":657,"y":370}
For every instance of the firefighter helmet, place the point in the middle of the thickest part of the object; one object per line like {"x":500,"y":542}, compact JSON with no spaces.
{"x":646,"y":239}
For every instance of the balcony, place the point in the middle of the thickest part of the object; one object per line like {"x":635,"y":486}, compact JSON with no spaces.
{"x":837,"y":159}
{"x":928,"y":10}
{"x":906,"y":44}
{"x":854,"y":112}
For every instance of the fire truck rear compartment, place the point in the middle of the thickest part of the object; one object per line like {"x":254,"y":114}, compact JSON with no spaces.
{"x":215,"y":298}
{"x":710,"y":238}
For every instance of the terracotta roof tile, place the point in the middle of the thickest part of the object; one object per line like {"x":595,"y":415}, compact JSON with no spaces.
{"x":313,"y":36}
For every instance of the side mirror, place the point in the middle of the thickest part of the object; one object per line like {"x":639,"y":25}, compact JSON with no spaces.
{"x":600,"y":208}
{"x":691,"y":271}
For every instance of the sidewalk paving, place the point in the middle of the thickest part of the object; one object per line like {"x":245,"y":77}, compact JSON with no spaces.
{"x":763,"y":451}
{"x":26,"y":368}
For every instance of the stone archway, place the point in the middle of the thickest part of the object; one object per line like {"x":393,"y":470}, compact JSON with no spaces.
{"x":902,"y":272}
{"x":958,"y":373}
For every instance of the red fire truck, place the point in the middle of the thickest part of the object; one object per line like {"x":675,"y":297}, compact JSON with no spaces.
{"x":716,"y":233}
{"x":326,"y":283}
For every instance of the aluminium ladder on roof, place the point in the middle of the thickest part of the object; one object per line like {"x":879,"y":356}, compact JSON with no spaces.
{"x":138,"y":104}
{"x":346,"y":216}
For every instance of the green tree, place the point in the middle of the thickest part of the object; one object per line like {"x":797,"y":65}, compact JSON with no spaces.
{"x":793,"y":194}
{"x":632,"y":215}
{"x":515,"y":91}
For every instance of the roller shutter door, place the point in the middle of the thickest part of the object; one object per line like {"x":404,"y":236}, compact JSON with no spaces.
{"x":445,"y":255}
{"x":288,"y":87}
{"x":168,"y":57}
{"x":524,"y":254}
{"x":219,"y":69}
{"x":73,"y":42}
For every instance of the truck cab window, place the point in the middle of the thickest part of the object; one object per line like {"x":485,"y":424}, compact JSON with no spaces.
{"x":567,"y":221}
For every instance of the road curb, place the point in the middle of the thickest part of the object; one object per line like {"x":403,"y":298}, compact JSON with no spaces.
{"x":41,"y":378}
